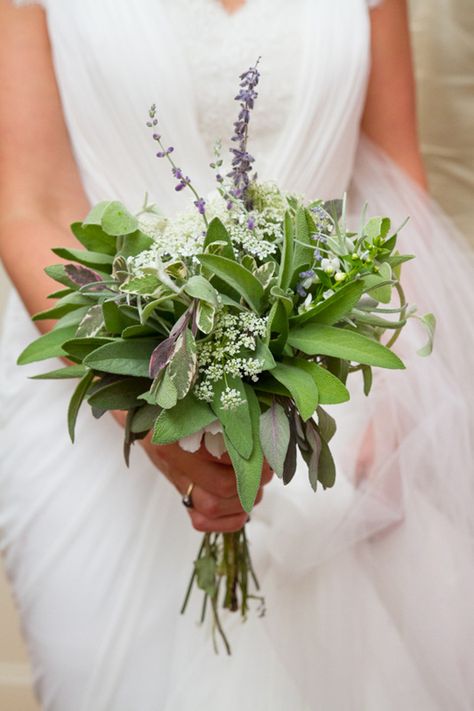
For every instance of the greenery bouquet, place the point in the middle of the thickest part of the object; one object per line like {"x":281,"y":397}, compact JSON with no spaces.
{"x":236,"y":321}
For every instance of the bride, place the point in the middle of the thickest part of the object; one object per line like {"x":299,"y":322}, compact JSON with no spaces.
{"x":368,"y":585}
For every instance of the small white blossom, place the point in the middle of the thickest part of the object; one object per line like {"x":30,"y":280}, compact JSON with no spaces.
{"x":330,"y":265}
{"x":230,"y":399}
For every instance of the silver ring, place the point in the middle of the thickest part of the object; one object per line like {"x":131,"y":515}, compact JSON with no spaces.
{"x":187,"y":499}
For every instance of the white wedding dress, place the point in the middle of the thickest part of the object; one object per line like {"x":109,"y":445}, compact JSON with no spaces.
{"x":369,"y":585}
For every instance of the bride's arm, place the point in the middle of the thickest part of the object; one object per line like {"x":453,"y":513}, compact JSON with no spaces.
{"x":40,"y":195}
{"x":390,"y":112}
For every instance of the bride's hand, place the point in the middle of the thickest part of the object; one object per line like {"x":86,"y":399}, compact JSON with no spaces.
{"x":216,"y":506}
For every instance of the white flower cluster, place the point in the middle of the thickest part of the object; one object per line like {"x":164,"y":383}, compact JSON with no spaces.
{"x":262,"y":238}
{"x":230,"y":399}
{"x":221,"y":354}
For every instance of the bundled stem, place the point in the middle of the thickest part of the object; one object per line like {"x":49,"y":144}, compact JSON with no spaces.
{"x":223,"y":563}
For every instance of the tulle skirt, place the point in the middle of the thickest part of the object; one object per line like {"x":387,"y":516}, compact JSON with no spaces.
{"x":368,"y":586}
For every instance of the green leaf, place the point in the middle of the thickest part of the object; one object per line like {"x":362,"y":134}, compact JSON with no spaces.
{"x":319,"y":339}
{"x":67,"y":303}
{"x":115,"y":319}
{"x":286,"y":265}
{"x":301,"y":386}
{"x":81,"y":347}
{"x":205,"y":317}
{"x":216,"y":232}
{"x":377,"y":227}
{"x":113,"y":217}
{"x":326,"y":424}
{"x":248,"y":470}
{"x":237,"y":277}
{"x":265,"y":272}
{"x":429,"y":322}
{"x":70,"y":371}
{"x":275,"y":436}
{"x":120,"y":395}
{"x":134,"y":243}
{"x":378,"y":285}
{"x":200,"y":288}
{"x":326,"y":466}
{"x":93,"y":238}
{"x":166,"y":394}
{"x":205,"y":568}
{"x":95,"y":260}
{"x":92,"y":322}
{"x":76,"y":401}
{"x":331,"y":390}
{"x":123,"y":357}
{"x":145,"y":285}
{"x":263,"y":353}
{"x":236,"y":423}
{"x":144,"y":418}
{"x":278,"y":324}
{"x":72,"y":318}
{"x":49,"y":345}
{"x":303,"y":253}
{"x":367,"y":376}
{"x":334,"y":308}
{"x":188,"y":416}
{"x":183,"y":363}
{"x":58,"y":273}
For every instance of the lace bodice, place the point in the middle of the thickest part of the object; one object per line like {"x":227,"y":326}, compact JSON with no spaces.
{"x":219,"y":46}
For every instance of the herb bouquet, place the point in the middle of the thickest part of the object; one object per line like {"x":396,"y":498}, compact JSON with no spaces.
{"x":247,"y":311}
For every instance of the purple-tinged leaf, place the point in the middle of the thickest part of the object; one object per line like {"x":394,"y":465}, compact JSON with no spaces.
{"x":82,"y":276}
{"x":275,"y":436}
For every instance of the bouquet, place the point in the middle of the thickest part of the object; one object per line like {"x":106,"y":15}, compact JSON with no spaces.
{"x":236,"y":321}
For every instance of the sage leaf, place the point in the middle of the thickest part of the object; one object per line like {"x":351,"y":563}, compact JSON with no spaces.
{"x":188,"y":416}
{"x":92,"y":322}
{"x":93,"y":238}
{"x":49,"y":345}
{"x":289,"y":467}
{"x":236,"y":276}
{"x":145,"y":418}
{"x":81,"y":347}
{"x":248,"y":470}
{"x":182,"y":366}
{"x":70,"y":371}
{"x":275,"y":436}
{"x":205,"y":568}
{"x":334,"y":308}
{"x":286,"y":264}
{"x":327,"y":467}
{"x":216,"y":232}
{"x":429,"y":322}
{"x":319,"y":339}
{"x":76,"y":401}
{"x":301,"y":386}
{"x":331,"y":390}
{"x":200,"y":288}
{"x":327,"y":425}
{"x":236,"y":423}
{"x":95,"y":260}
{"x":123,"y":357}
{"x":119,"y":395}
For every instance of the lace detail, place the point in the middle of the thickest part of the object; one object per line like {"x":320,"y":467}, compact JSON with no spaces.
{"x":219,"y":46}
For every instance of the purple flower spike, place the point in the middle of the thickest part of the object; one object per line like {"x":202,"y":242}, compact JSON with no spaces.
{"x":242,"y":161}
{"x":251,"y":223}
{"x":302,"y":292}
{"x":201,"y":205}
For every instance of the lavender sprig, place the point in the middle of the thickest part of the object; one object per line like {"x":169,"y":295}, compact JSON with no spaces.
{"x":183,"y":180}
{"x":242,"y":161}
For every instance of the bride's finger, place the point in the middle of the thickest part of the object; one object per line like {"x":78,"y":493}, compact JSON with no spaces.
{"x":214,"y":507}
{"x":225,"y":524}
